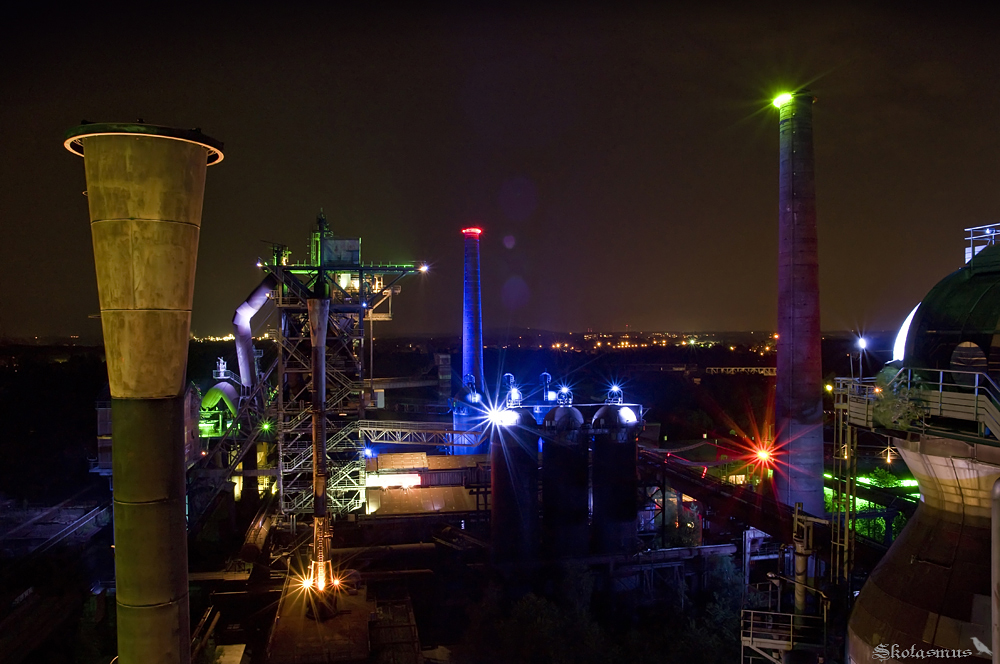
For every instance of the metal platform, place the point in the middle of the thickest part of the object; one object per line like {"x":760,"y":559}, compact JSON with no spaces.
{"x":298,"y":639}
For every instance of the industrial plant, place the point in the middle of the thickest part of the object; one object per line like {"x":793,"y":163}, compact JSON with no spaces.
{"x":292,"y":505}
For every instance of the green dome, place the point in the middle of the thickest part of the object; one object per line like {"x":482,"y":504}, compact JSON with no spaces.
{"x":957,"y":325}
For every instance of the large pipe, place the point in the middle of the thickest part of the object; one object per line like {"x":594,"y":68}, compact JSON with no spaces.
{"x":798,"y":398}
{"x":241,"y":330}
{"x":472,"y":313}
{"x":319,"y":315}
{"x":145,"y":187}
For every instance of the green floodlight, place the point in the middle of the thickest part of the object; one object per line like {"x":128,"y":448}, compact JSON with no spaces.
{"x":782,"y":99}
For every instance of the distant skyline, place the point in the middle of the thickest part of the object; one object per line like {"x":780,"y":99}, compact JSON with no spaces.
{"x":621,"y":160}
{"x":491,"y":336}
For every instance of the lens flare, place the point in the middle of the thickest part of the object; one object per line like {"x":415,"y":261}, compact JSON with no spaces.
{"x":502,"y":417}
{"x":782,"y":99}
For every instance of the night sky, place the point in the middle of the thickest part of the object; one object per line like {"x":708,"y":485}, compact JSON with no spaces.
{"x":623,"y":161}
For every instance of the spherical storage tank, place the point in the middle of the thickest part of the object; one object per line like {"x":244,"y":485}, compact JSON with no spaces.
{"x":514,"y":487}
{"x":564,"y":483}
{"x":614,"y":479}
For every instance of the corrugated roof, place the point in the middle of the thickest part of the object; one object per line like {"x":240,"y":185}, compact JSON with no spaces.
{"x":420,"y":500}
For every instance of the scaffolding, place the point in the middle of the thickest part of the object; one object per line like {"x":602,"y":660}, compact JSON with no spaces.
{"x":359,"y":293}
{"x":843,"y":511}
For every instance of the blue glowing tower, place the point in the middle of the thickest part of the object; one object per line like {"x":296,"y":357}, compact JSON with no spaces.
{"x":472,"y":314}
{"x":468,"y":403}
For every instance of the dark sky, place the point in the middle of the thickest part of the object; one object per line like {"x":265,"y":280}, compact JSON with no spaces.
{"x":627,"y":155}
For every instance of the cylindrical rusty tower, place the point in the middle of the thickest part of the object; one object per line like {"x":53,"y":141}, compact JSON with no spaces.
{"x":565,"y":480}
{"x":514,"y":488}
{"x":472,"y":313}
{"x":145,"y":186}
{"x":615,"y":479}
{"x":799,"y":394}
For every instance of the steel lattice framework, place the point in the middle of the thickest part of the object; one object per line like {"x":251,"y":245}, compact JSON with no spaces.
{"x":358,"y":292}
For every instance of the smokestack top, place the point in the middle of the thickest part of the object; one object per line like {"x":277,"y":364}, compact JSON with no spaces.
{"x":472,"y":232}
{"x":786,"y":97}
{"x":75,"y":136}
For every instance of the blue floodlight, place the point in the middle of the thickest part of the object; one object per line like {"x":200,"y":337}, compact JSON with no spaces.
{"x":501,"y":417}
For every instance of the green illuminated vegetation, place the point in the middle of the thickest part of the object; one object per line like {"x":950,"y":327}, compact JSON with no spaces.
{"x":874,"y":525}
{"x":782,"y":99}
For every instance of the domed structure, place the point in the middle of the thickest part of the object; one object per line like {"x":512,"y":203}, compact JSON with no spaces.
{"x":563,"y":418}
{"x":957,"y":325}
{"x":614,"y":417}
{"x":931,"y":591}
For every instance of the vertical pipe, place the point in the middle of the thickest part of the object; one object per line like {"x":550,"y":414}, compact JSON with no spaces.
{"x":798,"y":399}
{"x":145,"y":187}
{"x":801,"y":577}
{"x":472,"y":312}
{"x":995,"y":569}
{"x":319,"y":315}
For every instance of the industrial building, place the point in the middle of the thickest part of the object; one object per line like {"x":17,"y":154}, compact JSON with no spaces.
{"x":521,"y":477}
{"x":346,"y":503}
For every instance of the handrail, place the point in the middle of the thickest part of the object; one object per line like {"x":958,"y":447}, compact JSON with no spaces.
{"x":922,"y":383}
{"x":786,"y":629}
{"x":245,"y":404}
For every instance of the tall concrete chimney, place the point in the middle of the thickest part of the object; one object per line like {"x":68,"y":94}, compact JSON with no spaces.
{"x":145,"y":186}
{"x":472,"y":312}
{"x":799,"y":394}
